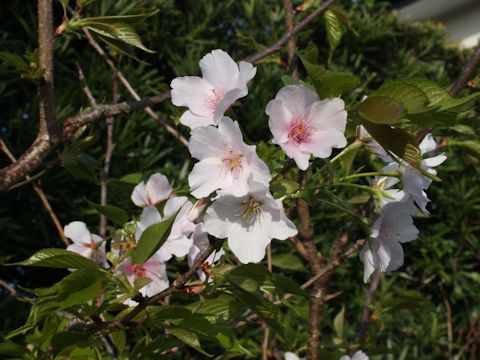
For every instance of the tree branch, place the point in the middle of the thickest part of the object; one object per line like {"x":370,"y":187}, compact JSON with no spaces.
{"x":277,"y":46}
{"x":292,"y":42}
{"x":466,"y":72}
{"x":34,"y":156}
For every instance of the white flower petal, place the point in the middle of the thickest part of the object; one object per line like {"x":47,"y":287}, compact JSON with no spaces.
{"x":434,"y":161}
{"x":195,"y":121}
{"x":247,"y":73}
{"x":77,"y":232}
{"x":428,"y":144}
{"x":329,"y":113}
{"x":221,"y":214}
{"x":207,"y":176}
{"x":205,"y":143}
{"x":219,"y":69}
{"x":248,"y":244}
{"x":297,"y":99}
{"x":140,"y":195}
{"x":192,"y":91}
{"x":227,"y":101}
{"x":83,"y":250}
{"x":279,"y":120}
{"x":158,"y":188}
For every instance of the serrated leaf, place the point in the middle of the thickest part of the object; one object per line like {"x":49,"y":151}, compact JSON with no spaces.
{"x":413,"y":99}
{"x":117,"y":31}
{"x":57,"y":258}
{"x":334,"y":29}
{"x":152,"y":238}
{"x":397,"y":141}
{"x":113,"y":213}
{"x":381,"y":110}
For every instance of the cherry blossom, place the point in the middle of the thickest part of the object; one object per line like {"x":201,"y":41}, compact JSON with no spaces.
{"x":304,"y":125}
{"x":178,"y":242}
{"x":394,"y":226}
{"x":249,"y":222}
{"x":364,"y":136}
{"x":209,"y":96}
{"x":359,"y":355}
{"x":414,"y":182}
{"x":154,"y":191}
{"x":153,"y":269}
{"x":226,"y":162}
{"x":291,"y":356}
{"x":85,"y":243}
{"x":200,"y":244}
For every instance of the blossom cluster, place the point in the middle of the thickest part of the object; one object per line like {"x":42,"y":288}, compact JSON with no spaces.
{"x":397,"y":207}
{"x":229,"y":180}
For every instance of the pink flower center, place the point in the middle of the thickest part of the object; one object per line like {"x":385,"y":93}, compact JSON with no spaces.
{"x":300,"y":131}
{"x":233,"y":162}
{"x":137,"y":270}
{"x":213,"y":100}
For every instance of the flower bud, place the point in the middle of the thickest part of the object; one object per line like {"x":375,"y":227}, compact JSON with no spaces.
{"x":195,"y":215}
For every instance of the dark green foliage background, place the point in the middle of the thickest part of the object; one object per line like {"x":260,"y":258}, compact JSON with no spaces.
{"x":441,"y":266}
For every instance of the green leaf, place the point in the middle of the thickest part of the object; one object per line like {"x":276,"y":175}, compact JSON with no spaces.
{"x":225,"y":306}
{"x":113,"y":213}
{"x":338,"y":323}
{"x":57,"y":258}
{"x":13,"y":60}
{"x":127,"y":19}
{"x":117,"y":31}
{"x":68,"y":338}
{"x":13,"y":350}
{"x":188,"y":337}
{"x":334,"y":29}
{"x":80,"y":165}
{"x":327,"y":83}
{"x":381,"y":110}
{"x":413,"y":99}
{"x":263,"y":308}
{"x":397,"y":141}
{"x":284,"y":186}
{"x":152,"y":238}
{"x":289,"y":262}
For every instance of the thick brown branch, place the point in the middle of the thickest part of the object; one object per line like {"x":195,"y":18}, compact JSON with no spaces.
{"x":277,"y":46}
{"x":466,"y":72}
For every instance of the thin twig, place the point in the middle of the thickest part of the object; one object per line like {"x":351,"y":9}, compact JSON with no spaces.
{"x":93,"y":43}
{"x":362,"y":332}
{"x":108,"y":158}
{"x":292,"y":42}
{"x":277,"y":46}
{"x":34,"y":156}
{"x":466,"y":72}
{"x":143,"y":302}
{"x":85,"y":88}
{"x":37,"y":186}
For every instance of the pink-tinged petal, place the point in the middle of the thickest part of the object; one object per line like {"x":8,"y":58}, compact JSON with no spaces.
{"x":81,"y":250}
{"x":173,"y":205}
{"x":360,"y":355}
{"x":156,"y":271}
{"x":328,"y":114}
{"x":291,"y":356}
{"x":158,"y":188}
{"x":434,"y":161}
{"x":259,"y":170}
{"x":140,"y":195}
{"x":249,"y":245}
{"x":205,"y":142}
{"x":247,"y":73}
{"x":230,"y":131}
{"x":195,"y":121}
{"x":228,"y":100}
{"x":428,"y":144}
{"x":395,"y":252}
{"x":300,"y":158}
{"x":207,"y":176}
{"x":322,"y":143}
{"x":149,"y":216}
{"x":297,"y":99}
{"x":77,"y":231}
{"x":221,"y":214}
{"x":219,"y":69}
{"x":95,"y":238}
{"x":279,"y":121}
{"x":192,"y":92}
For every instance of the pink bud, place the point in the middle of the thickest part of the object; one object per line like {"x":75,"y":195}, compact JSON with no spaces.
{"x":195,"y":215}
